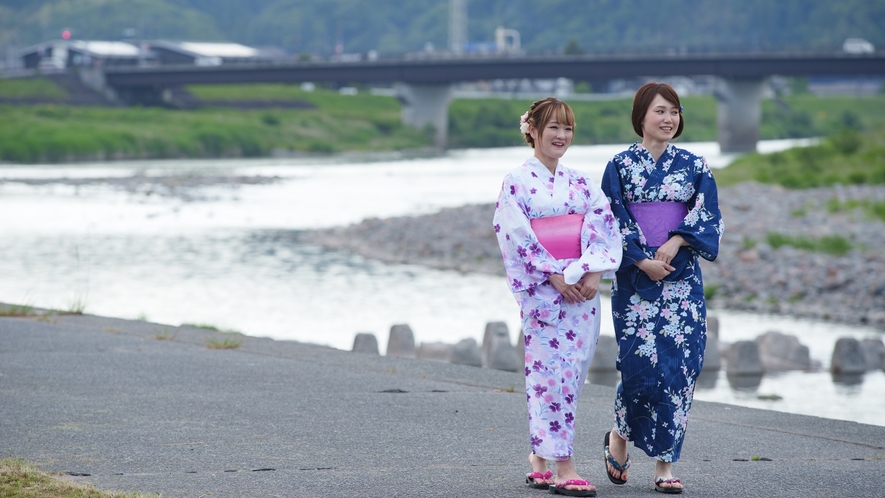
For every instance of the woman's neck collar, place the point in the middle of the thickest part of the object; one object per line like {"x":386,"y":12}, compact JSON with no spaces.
{"x":655,"y":148}
{"x":548,"y":162}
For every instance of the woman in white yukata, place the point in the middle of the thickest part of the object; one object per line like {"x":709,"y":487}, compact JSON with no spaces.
{"x":558,"y":238}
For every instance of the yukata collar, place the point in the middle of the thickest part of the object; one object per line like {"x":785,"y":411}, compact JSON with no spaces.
{"x":536,"y":166}
{"x":645,"y":155}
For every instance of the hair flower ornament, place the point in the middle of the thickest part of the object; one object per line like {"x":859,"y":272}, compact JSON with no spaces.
{"x":524,"y":123}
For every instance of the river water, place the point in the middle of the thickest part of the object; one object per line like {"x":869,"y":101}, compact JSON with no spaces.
{"x":185,"y":244}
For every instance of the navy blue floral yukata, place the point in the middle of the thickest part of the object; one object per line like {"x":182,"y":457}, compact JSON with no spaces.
{"x":661,"y":327}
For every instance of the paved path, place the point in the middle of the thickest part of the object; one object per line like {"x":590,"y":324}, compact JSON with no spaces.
{"x":121,"y":406}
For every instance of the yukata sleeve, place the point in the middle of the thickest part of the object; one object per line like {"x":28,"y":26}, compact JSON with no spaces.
{"x":600,"y":239}
{"x":526,"y":262}
{"x":702,"y":227}
{"x":633,"y":243}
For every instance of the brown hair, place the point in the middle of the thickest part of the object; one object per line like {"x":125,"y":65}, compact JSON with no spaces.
{"x":642,"y":101}
{"x":542,"y":111}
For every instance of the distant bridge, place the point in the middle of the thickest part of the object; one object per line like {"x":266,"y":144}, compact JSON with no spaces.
{"x":425,"y":85}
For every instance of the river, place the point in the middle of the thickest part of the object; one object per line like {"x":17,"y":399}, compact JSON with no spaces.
{"x":205,"y":242}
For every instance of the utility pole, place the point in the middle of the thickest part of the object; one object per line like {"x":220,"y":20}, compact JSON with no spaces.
{"x":457,"y":26}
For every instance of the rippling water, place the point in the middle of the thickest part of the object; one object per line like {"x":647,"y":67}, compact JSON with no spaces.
{"x":223,"y":255}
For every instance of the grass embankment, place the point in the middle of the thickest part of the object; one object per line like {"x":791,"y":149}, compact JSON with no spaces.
{"x":21,"y":480}
{"x":849,"y":157}
{"x":492,"y":123}
{"x":336,"y":123}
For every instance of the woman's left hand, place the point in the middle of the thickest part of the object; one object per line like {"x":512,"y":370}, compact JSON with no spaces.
{"x":588,"y":286}
{"x":668,"y":251}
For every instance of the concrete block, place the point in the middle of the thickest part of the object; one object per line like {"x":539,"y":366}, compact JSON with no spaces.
{"x":606,"y":356}
{"x":848,"y":357}
{"x":436,"y":351}
{"x":401,"y":341}
{"x":782,"y":352}
{"x":743,"y":359}
{"x":497,"y":351}
{"x":467,"y":352}
{"x":365,"y":342}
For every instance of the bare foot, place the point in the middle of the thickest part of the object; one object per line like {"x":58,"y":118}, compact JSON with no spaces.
{"x":617,"y":447}
{"x":565,"y":471}
{"x":664,"y":478}
{"x":539,"y":465}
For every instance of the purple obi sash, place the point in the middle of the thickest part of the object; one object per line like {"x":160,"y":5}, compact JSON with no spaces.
{"x":657,"y":219}
{"x":560,"y":235}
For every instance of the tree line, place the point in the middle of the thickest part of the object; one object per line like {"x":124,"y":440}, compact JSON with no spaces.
{"x":395,"y":27}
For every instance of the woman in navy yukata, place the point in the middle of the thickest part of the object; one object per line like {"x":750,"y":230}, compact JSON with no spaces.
{"x":558,"y":238}
{"x":667,"y":207}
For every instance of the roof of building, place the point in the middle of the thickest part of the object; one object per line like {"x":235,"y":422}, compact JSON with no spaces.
{"x":208,"y":49}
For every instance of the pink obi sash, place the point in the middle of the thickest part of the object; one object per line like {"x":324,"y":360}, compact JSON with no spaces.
{"x":658,"y":219}
{"x":560,"y":235}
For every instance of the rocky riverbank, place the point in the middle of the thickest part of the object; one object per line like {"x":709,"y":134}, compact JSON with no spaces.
{"x":762,"y":266}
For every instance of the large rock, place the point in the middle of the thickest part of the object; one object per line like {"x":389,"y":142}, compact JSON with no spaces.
{"x":365,"y":342}
{"x":606,"y":356}
{"x":467,"y":352}
{"x":848,"y":357}
{"x":436,"y":351}
{"x":743,"y":359}
{"x":401,"y":341}
{"x":782,"y":352}
{"x":497,"y":351}
{"x":874,"y":351}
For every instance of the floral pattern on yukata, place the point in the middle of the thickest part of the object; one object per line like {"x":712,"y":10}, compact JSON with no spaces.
{"x":661,"y":342}
{"x":560,"y":337}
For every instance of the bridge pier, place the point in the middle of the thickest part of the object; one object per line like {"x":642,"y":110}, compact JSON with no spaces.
{"x":427,"y":104}
{"x":738,"y":113}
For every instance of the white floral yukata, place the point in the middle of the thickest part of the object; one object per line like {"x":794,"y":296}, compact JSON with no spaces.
{"x":661,"y":327}
{"x":560,"y":337}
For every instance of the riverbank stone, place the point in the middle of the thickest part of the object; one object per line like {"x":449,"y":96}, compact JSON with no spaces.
{"x":848,"y":357}
{"x":401,"y":341}
{"x":780,"y":351}
{"x":467,"y":352}
{"x":497,"y":351}
{"x":365,"y":342}
{"x":743,"y":359}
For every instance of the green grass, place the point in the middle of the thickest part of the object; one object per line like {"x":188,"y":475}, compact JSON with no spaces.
{"x":873,"y":209}
{"x":23,"y":480}
{"x":848,"y":157}
{"x":337,"y":123}
{"x":31,"y":88}
{"x":832,"y":244}
{"x":230,"y":340}
{"x":16,"y":310}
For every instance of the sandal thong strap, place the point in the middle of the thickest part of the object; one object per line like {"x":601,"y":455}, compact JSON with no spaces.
{"x":539,"y":475}
{"x":672,"y":480}
{"x":620,"y":467}
{"x":573,"y":482}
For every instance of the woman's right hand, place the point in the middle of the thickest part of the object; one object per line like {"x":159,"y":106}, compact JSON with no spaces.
{"x":571,"y":293}
{"x":656,"y":270}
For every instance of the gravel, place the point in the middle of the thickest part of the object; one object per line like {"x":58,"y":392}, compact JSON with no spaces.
{"x":750,"y":274}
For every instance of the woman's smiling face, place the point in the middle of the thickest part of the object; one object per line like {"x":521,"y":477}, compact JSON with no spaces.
{"x":552,"y":142}
{"x":661,"y":120}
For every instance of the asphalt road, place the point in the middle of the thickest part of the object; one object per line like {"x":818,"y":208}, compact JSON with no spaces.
{"x":136,"y":406}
